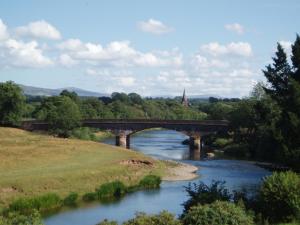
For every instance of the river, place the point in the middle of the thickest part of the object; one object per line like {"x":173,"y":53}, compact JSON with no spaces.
{"x":164,"y":144}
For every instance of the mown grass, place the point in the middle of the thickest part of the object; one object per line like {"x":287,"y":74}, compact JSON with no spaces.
{"x":33,"y":164}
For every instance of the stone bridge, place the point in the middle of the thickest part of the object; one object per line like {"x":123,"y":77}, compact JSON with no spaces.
{"x":123,"y":129}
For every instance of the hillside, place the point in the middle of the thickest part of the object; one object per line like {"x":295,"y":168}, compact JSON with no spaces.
{"x":33,"y":164}
{"x":37,"y":91}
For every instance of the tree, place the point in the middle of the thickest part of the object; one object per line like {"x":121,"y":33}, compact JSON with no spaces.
{"x":217,"y":213}
{"x":62,"y":114}
{"x":72,"y":95}
{"x":278,"y":76}
{"x":296,"y":59}
{"x":12,"y":103}
{"x":280,"y":197}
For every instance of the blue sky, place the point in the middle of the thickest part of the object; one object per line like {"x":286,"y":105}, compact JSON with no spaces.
{"x":150,"y":47}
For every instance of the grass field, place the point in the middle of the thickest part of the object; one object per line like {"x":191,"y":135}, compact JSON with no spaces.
{"x":33,"y":164}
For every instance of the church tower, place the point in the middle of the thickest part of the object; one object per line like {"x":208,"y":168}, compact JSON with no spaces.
{"x":184,"y":100}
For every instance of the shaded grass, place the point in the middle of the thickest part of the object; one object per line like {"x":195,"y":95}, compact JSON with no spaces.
{"x":34,"y":164}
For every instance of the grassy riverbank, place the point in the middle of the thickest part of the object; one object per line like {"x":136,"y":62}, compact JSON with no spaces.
{"x":34,"y":164}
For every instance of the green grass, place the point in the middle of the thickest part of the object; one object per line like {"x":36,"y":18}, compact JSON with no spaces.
{"x":35,"y":164}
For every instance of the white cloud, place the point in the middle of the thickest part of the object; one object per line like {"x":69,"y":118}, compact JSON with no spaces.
{"x":117,"y":53}
{"x":126,"y":81}
{"x":39,"y":29}
{"x":235,"y":27}
{"x":66,"y":60}
{"x":154,"y":26}
{"x":287,"y":45}
{"x":21,"y":54}
{"x":3,"y":31}
{"x":233,"y":48}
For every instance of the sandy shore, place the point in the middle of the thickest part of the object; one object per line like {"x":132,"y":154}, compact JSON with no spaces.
{"x":181,"y":171}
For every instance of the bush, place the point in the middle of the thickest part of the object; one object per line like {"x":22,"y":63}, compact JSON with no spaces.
{"x":163,"y":218}
{"x":88,"y":197}
{"x":204,"y":194}
{"x":221,"y":142}
{"x":280,"y":197}
{"x":237,"y":150}
{"x":111,"y":190}
{"x":83,"y":133}
{"x":41,"y":203}
{"x":15,"y":218}
{"x":150,"y":181}
{"x":71,"y":199}
{"x":106,"y":222}
{"x":217,"y":213}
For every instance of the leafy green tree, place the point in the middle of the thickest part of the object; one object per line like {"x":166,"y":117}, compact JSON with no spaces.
{"x":205,"y":194}
{"x":62,"y":114}
{"x":217,"y":213}
{"x":12,"y":103}
{"x":71,"y":94}
{"x":280,"y":197}
{"x":163,"y":218}
{"x":135,"y":99}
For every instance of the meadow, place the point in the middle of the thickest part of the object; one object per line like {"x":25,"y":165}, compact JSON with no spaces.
{"x":34,"y":164}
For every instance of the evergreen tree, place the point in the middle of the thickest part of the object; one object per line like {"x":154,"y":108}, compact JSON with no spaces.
{"x":278,"y":76}
{"x":296,"y":59}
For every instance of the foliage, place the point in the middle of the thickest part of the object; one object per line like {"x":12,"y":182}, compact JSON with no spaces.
{"x":222,"y":142}
{"x":163,"y":218}
{"x":71,"y":199}
{"x":90,"y":196}
{"x":113,"y":189}
{"x":217,"y":213}
{"x":62,"y":114}
{"x":205,"y":194}
{"x":83,"y":133}
{"x":12,"y":104}
{"x":280,"y":197}
{"x":41,"y":203}
{"x":106,"y":222}
{"x":150,"y":181}
{"x":15,"y":218}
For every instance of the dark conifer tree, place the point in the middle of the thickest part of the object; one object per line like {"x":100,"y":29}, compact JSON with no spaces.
{"x":296,"y":59}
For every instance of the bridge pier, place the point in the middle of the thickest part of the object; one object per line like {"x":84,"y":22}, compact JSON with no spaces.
{"x":123,"y":140}
{"x":195,"y":147}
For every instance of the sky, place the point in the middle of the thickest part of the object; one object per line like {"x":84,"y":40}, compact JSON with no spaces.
{"x":157,"y":47}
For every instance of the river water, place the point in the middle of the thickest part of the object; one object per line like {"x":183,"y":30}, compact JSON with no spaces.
{"x":163,"y":144}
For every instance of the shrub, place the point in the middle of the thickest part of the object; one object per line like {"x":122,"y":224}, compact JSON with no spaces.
{"x":15,"y":218}
{"x":237,"y":150}
{"x":150,"y":181}
{"x":83,"y":133}
{"x":71,"y":199}
{"x":204,"y":194}
{"x":41,"y":203}
{"x":163,"y":218}
{"x":222,"y":142}
{"x":106,"y":222}
{"x":111,"y":190}
{"x":280,"y":196}
{"x":217,"y":213}
{"x":88,"y":197}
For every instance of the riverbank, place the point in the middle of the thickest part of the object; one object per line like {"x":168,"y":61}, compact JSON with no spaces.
{"x":35,"y":164}
{"x":180,"y":172}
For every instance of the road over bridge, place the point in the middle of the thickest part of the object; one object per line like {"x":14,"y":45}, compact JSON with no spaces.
{"x":124,"y":128}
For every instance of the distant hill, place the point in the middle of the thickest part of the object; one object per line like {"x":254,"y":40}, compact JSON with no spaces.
{"x":37,"y":91}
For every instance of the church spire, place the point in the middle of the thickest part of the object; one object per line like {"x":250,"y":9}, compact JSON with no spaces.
{"x":184,"y":100}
